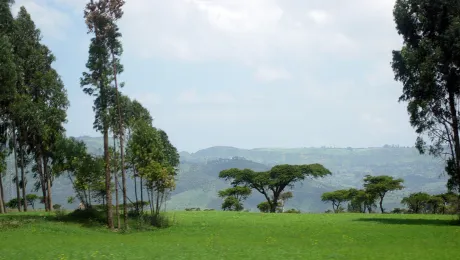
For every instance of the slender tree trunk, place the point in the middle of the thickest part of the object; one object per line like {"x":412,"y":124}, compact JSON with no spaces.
{"x":115,"y":175}
{"x":2,"y":195}
{"x":107,"y":176}
{"x":42,"y":179}
{"x":157,"y":209}
{"x":135,"y":192}
{"x":142,"y":195}
{"x":122,"y":155}
{"x":83,"y":198}
{"x":455,"y":128}
{"x":47,"y":174}
{"x":89,"y":198}
{"x":2,"y":209}
{"x":23,"y":178}
{"x":18,"y":194}
{"x":381,"y":204}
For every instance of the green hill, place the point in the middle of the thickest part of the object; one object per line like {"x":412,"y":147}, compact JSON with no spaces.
{"x":198,"y":180}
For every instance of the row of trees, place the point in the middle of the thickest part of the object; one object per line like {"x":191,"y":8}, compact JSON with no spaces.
{"x":33,"y":104}
{"x":424,"y":203}
{"x":375,"y":190}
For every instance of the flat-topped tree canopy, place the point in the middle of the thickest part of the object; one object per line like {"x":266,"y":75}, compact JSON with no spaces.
{"x":273,"y":181}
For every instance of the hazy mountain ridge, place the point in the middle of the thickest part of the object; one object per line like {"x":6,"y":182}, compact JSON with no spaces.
{"x":198,"y":181}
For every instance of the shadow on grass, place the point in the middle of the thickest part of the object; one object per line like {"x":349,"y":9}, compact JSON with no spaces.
{"x":89,"y":218}
{"x":411,"y":221}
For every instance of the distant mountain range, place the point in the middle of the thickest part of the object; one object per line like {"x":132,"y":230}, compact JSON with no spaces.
{"x":198,"y":181}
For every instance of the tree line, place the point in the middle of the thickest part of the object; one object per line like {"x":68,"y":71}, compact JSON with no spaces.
{"x":33,"y":111}
{"x":375,"y":190}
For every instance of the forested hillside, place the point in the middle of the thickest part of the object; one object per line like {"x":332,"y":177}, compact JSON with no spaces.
{"x":198,"y":182}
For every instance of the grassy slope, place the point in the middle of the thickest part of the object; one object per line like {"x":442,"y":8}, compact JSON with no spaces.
{"x":227,"y":235}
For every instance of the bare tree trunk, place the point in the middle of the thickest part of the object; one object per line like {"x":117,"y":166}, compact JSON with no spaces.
{"x":122,"y":155}
{"x":135,"y":192}
{"x":39,"y":163}
{"x":381,"y":205}
{"x":2,"y":195}
{"x":108,"y":178}
{"x":23,"y":179}
{"x":115,"y":174}
{"x":2,"y":209}
{"x":18,"y":194}
{"x":455,"y":129}
{"x":142,"y":195}
{"x":47,"y":175}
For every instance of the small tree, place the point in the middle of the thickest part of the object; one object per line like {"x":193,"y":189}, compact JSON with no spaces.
{"x":234,"y":197}
{"x":336,"y":197}
{"x":381,"y":185}
{"x":285,"y":197}
{"x":416,"y":202}
{"x":361,"y":200}
{"x":31,"y":199}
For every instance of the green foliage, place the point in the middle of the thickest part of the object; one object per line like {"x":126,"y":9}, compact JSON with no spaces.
{"x":381,"y":185}
{"x":361,"y":200}
{"x":273,"y":181}
{"x":427,"y":66}
{"x":160,"y":220}
{"x":31,"y":199}
{"x":57,"y":206}
{"x":336,"y":197}
{"x":295,"y":211}
{"x":234,"y":197}
{"x":231,"y":203}
{"x":264,"y":207}
{"x":156,"y":160}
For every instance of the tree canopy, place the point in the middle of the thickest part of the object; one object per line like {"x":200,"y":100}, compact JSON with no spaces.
{"x":381,"y":185}
{"x":273,"y":182}
{"x":427,"y":65}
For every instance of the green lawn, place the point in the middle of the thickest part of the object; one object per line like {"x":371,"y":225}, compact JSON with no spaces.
{"x":226,"y":235}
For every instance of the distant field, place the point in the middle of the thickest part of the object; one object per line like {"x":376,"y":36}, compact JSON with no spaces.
{"x":227,"y":235}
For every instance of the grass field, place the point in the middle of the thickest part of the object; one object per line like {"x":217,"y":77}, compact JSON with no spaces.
{"x":228,"y":235}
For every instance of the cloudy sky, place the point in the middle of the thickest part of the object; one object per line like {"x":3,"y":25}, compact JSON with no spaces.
{"x":245,"y":73}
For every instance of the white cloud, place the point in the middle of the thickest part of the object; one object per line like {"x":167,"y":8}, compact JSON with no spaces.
{"x":192,"y":97}
{"x":319,"y":16}
{"x":244,"y":31}
{"x":51,"y":21}
{"x":272,"y":74}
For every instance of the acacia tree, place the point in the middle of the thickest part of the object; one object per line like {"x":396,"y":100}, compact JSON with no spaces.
{"x":416,"y":202}
{"x":234,"y":197}
{"x":273,"y":182}
{"x":337,"y":198}
{"x":361,"y":200}
{"x":427,"y":65}
{"x":381,"y":185}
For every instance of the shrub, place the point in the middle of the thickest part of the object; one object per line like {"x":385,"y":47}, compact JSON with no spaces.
{"x":89,"y":214}
{"x":60,"y":213}
{"x":192,"y":209}
{"x":292,"y":211}
{"x":57,"y":206}
{"x":160,"y":220}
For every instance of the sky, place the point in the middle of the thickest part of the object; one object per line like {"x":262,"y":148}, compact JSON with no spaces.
{"x":244,"y":73}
